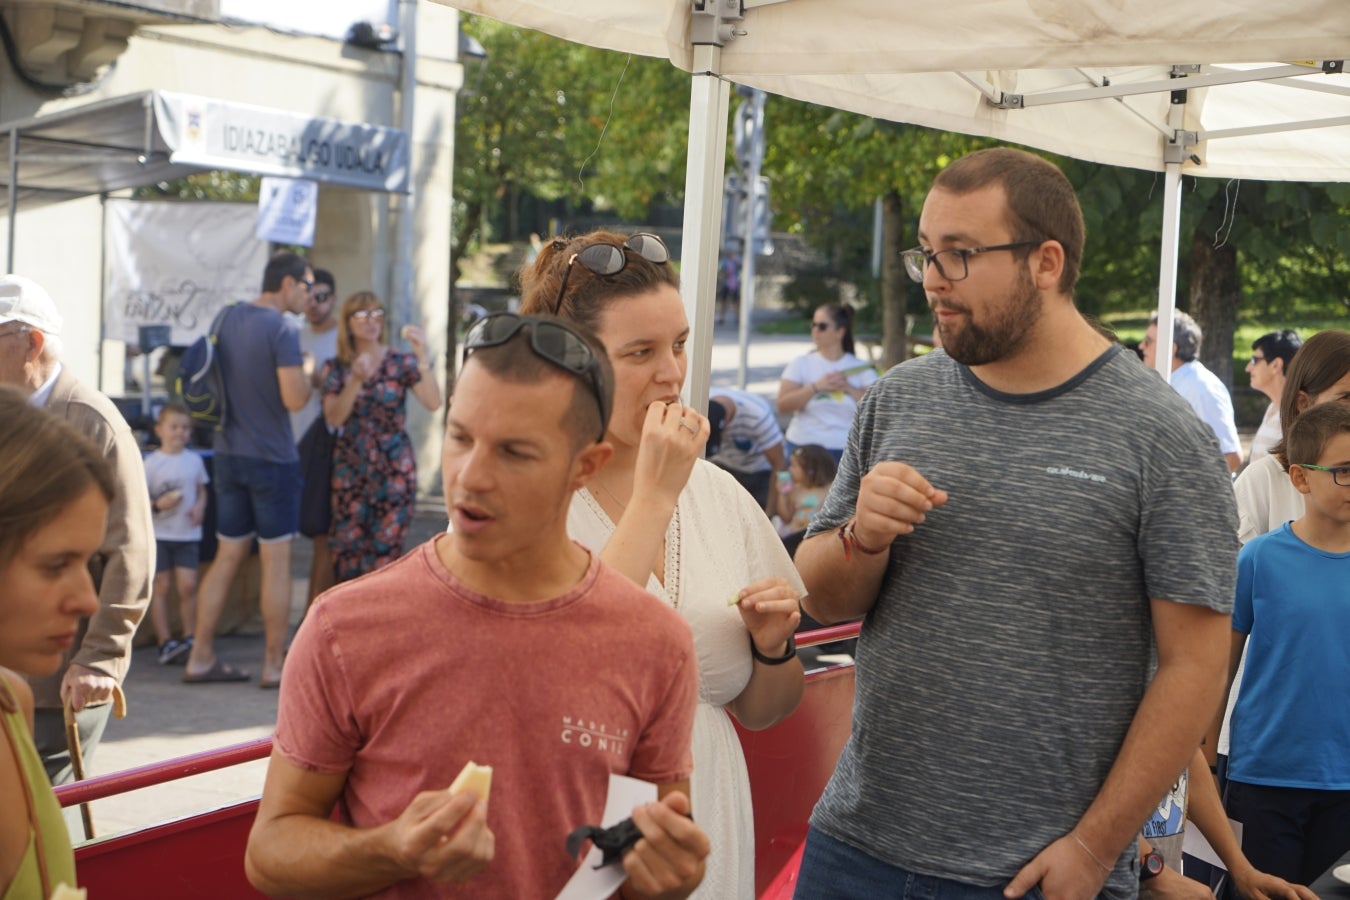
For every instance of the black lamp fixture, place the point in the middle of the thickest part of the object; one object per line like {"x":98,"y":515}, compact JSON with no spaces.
{"x":371,"y":36}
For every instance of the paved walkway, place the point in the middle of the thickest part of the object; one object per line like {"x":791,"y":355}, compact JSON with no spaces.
{"x":167,"y":719}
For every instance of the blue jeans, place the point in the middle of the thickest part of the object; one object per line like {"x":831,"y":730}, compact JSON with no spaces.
{"x":834,"y":870}
{"x":255,"y":497}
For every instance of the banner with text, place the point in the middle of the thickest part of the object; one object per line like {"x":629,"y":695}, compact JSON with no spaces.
{"x":176,"y":263}
{"x":241,"y":137}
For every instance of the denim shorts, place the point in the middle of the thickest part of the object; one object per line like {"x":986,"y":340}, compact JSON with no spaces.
{"x":834,"y":870}
{"x":256,"y":497}
{"x":176,"y":555}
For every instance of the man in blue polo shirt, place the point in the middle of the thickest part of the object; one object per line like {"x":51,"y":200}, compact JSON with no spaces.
{"x":257,"y":470}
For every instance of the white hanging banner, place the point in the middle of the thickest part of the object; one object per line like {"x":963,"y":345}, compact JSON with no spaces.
{"x":175,"y":263}
{"x":287,"y":210}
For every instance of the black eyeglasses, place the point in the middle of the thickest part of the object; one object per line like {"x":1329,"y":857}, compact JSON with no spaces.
{"x":610,"y":259}
{"x":309,"y":285}
{"x":1339,"y":474}
{"x":1257,"y":359}
{"x":951,"y":264}
{"x":321,"y":296}
{"x":551,"y":341}
{"x":819,"y":326}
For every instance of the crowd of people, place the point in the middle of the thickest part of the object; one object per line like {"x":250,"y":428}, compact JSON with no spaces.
{"x":1053,"y":566}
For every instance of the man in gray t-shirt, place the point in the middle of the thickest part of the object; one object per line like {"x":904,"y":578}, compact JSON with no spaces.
{"x":1023,"y":518}
{"x":257,"y":470}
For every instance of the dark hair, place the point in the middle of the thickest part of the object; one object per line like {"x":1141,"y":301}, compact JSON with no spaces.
{"x":817,"y":464}
{"x":323,"y":276}
{"x":841,"y":314}
{"x":175,"y":407}
{"x":279,"y":266}
{"x":48,"y":466}
{"x":1041,"y":202}
{"x":1278,"y":345}
{"x":515,"y":361}
{"x":587,"y":294}
{"x":1186,"y":335}
{"x":1309,"y":436}
{"x":1323,"y":360}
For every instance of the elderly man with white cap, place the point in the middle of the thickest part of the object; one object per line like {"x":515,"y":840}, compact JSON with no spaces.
{"x":124,"y":567}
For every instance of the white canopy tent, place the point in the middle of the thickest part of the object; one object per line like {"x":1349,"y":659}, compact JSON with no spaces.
{"x":1177,"y":86}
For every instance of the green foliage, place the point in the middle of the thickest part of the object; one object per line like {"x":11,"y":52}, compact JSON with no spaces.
{"x":214,"y":185}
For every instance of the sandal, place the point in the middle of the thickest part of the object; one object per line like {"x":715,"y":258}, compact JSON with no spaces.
{"x":218,"y":673}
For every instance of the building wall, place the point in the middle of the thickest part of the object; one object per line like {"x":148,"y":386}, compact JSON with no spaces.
{"x":61,"y":245}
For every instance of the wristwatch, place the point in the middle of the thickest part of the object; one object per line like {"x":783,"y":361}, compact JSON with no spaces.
{"x":1150,"y":865}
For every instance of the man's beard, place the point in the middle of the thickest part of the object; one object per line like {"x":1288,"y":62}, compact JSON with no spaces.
{"x":1004,"y":332}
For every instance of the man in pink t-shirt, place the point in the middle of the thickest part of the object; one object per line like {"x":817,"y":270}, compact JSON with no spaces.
{"x":501,"y":642}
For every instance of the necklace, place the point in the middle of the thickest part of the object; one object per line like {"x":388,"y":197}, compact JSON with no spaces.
{"x":601,"y":482}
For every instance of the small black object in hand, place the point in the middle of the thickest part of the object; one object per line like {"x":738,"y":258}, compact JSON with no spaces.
{"x":612,"y":841}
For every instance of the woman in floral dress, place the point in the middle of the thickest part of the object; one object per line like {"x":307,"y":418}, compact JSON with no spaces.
{"x":365,"y":393}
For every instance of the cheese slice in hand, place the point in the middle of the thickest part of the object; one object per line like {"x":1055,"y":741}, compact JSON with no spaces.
{"x":66,"y":892}
{"x":474,"y":778}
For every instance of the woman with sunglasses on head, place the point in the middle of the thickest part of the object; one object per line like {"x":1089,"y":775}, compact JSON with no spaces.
{"x":365,"y":393}
{"x":678,"y":525}
{"x":54,"y":494}
{"x":821,"y":389}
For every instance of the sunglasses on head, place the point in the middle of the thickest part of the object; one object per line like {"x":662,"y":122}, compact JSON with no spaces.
{"x":610,"y":259}
{"x":551,"y":341}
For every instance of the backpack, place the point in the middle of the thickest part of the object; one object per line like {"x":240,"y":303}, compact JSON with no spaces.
{"x":200,"y":381}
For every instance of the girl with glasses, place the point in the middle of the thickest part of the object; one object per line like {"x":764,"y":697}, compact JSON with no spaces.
{"x":678,"y":525}
{"x":821,"y":389}
{"x":365,"y":392}
{"x":54,"y":494}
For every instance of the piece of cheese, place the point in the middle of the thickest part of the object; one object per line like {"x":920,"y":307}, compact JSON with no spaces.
{"x":474,"y":778}
{"x":66,"y":892}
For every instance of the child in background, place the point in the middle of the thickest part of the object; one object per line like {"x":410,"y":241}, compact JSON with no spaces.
{"x":1289,"y":763}
{"x":177,"y":480}
{"x":802,"y":488}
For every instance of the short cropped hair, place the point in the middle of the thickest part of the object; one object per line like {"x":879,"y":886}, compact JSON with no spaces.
{"x":1042,"y":205}
{"x":173,"y":407}
{"x":1309,"y":436}
{"x":1186,"y":335}
{"x":516,"y":361}
{"x":48,"y":466}
{"x":279,"y":266}
{"x":1278,"y":345}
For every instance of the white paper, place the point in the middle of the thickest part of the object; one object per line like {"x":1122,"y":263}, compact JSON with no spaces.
{"x":1194,"y":843}
{"x":287,"y":210}
{"x":590,"y":883}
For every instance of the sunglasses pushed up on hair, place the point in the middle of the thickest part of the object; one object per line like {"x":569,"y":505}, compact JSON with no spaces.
{"x":606,"y":259}
{"x":552,"y":341}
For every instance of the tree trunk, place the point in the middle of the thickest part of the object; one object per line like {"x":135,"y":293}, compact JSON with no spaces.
{"x":1214,"y":302}
{"x":894,"y":334}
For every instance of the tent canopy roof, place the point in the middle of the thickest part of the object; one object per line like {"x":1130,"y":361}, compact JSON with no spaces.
{"x":155,"y":136}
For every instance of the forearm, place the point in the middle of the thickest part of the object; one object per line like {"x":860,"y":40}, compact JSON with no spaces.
{"x":1206,"y":812}
{"x":304,"y":856}
{"x":635,"y":546}
{"x":792,"y":398}
{"x":772,"y":693}
{"x":427,"y":391}
{"x":337,"y":408}
{"x":838,"y":589}
{"x":1162,"y":739}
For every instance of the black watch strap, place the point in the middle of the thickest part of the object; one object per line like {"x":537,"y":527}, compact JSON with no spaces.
{"x":787,"y":656}
{"x":1151,"y":865}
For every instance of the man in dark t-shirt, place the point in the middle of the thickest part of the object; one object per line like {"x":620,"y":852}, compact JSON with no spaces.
{"x":257,"y":471}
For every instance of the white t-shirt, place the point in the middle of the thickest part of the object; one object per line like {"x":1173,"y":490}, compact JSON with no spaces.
{"x":322,"y":345}
{"x":826,"y":418}
{"x":1268,"y":435}
{"x":182,"y":472}
{"x":1211,"y":401}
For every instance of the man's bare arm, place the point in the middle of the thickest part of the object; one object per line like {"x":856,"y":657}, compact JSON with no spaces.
{"x":295,"y":850}
{"x":1167,"y":726}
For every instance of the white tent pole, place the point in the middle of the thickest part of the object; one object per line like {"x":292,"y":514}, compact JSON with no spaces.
{"x":708,"y":105}
{"x":1167,"y":278}
{"x":747,"y":304}
{"x":402,"y":305}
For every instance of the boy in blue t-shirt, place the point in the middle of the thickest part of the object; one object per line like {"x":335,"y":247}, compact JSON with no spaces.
{"x":1289,"y":767}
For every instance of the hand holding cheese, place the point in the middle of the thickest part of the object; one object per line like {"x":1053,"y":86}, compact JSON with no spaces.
{"x":473,"y":778}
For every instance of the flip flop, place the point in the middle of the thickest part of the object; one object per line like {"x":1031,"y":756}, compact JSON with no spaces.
{"x":218,"y":673}
{"x":269,"y":685}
